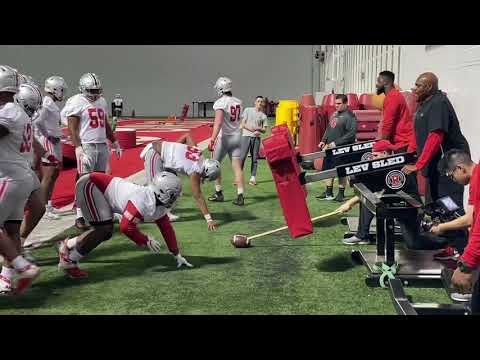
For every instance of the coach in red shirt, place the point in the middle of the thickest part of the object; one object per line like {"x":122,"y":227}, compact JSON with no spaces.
{"x":397,"y":123}
{"x":458,"y":166}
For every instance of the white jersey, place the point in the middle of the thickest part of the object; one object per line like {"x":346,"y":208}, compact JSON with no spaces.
{"x":119,"y":192}
{"x":47,"y":123}
{"x":182,"y":158}
{"x":232,"y":110}
{"x":93,"y":116}
{"x":17,"y":146}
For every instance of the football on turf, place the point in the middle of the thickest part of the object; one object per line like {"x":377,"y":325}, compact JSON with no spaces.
{"x":240,"y":241}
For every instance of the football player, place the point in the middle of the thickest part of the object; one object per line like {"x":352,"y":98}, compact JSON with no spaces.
{"x":186,"y":158}
{"x":17,"y":180}
{"x":48,"y":134}
{"x":101,"y":195}
{"x":86,"y":114}
{"x":227,"y":137}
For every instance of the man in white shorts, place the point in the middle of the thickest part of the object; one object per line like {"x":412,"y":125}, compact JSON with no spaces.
{"x":87,"y":115}
{"x":17,"y":182}
{"x":186,"y":158}
{"x":226,"y":137}
{"x":101,"y":195}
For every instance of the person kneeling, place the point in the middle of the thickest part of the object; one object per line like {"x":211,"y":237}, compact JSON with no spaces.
{"x":411,"y":230}
{"x":101,"y":195}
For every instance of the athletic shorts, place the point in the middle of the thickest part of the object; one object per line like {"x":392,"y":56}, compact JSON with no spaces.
{"x":51,"y":149}
{"x":99,"y":153}
{"x":94,"y":205}
{"x":153,"y":164}
{"x":228,"y":144}
{"x":14,"y":195}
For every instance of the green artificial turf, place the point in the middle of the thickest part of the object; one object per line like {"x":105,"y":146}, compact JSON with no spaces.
{"x":278,"y":275}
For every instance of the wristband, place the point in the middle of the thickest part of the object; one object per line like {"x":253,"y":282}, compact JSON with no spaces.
{"x":208,"y":217}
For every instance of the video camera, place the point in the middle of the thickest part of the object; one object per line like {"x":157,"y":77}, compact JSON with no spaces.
{"x":441,"y":211}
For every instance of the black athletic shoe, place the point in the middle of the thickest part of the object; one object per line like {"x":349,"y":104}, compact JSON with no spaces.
{"x":239,"y":200}
{"x":80,"y":224}
{"x":218,"y":196}
{"x":340,"y":197}
{"x":325,"y":196}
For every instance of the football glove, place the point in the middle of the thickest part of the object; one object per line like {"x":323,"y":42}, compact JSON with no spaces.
{"x":181,"y":261}
{"x":153,"y":245}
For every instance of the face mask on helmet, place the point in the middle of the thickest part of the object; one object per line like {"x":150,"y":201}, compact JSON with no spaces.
{"x":29,"y":98}
{"x":167,"y":188}
{"x":211,"y":170}
{"x":93,"y":94}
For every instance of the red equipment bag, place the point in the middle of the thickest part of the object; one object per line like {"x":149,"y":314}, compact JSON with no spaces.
{"x":282,"y":159}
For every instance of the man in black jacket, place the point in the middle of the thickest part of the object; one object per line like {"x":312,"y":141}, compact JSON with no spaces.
{"x":341,"y":130}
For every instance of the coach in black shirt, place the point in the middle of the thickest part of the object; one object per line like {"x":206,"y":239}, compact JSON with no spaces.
{"x":436,"y":131}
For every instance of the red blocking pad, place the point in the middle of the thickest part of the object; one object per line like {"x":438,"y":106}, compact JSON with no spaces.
{"x":281,"y":158}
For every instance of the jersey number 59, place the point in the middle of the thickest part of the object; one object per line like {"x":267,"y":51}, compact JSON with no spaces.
{"x":234,"y":113}
{"x":97,"y":117}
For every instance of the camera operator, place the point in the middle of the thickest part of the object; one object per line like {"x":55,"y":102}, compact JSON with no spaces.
{"x":411,"y":230}
{"x":458,"y":166}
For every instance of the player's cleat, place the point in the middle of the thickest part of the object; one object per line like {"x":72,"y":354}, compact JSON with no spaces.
{"x":218,"y":196}
{"x":50,"y":215}
{"x":253,"y":181}
{"x":25,"y":277}
{"x":240,"y":201}
{"x":461,"y":297}
{"x":80,"y":224}
{"x":172,"y":217}
{"x":5,"y":286}
{"x":70,"y":267}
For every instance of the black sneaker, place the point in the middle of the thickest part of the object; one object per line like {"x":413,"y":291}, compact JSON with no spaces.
{"x":218,"y":196}
{"x":340,"y":197}
{"x":80,"y":224}
{"x":239,"y":200}
{"x":325,"y":196}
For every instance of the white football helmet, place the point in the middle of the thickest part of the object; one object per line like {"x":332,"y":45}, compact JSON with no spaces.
{"x":90,"y":86}
{"x":117,"y":96}
{"x":223,"y":85}
{"x":167,"y":187}
{"x":211,"y":169}
{"x":8,"y":79}
{"x":29,"y":97}
{"x":56,"y":86}
{"x":25,"y":79}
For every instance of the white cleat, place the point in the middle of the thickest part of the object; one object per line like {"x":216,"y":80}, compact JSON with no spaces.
{"x":5,"y":286}
{"x":173,"y":217}
{"x":50,"y":215}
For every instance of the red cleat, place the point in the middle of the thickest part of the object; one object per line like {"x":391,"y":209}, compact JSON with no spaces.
{"x":70,"y":267}
{"x":25,"y":277}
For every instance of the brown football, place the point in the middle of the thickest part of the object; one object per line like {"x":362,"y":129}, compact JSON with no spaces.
{"x":240,"y":241}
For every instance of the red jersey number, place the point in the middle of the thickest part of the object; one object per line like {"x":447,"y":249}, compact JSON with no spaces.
{"x":234,"y":113}
{"x":97,"y":117}
{"x":27,"y":139}
{"x":193,"y":153}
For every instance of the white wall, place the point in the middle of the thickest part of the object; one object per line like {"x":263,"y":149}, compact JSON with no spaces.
{"x":458,"y":71}
{"x":158,"y":80}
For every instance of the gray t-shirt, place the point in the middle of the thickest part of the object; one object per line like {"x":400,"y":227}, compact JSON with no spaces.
{"x":253,"y":119}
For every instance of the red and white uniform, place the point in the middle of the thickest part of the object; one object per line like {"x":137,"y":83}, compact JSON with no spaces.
{"x":93,"y":116}
{"x":100,"y":195}
{"x":92,"y":132}
{"x":229,"y":140}
{"x":181,"y":158}
{"x":17,"y":180}
{"x":47,"y":124}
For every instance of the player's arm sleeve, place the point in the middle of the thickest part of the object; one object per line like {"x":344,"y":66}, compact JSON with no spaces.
{"x":128,"y":226}
{"x":390,"y":113}
{"x":471,"y":254}
{"x":168,"y":234}
{"x":432,"y":145}
{"x":350,"y":132}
